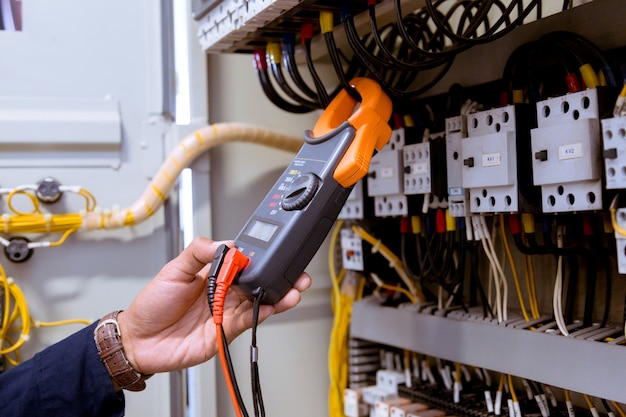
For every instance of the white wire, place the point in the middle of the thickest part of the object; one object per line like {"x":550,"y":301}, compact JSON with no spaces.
{"x":558,"y":287}
{"x":492,"y":263}
{"x":502,"y":285}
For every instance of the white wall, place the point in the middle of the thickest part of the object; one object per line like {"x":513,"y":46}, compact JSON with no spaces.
{"x":69,"y":50}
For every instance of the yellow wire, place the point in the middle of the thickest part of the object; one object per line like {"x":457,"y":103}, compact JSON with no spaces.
{"x":399,"y":289}
{"x":394,"y":261}
{"x":37,"y":323}
{"x":511,"y":388}
{"x":614,"y":223}
{"x":567,"y":395}
{"x":588,"y":401}
{"x":509,"y":255}
{"x":501,"y":383}
{"x":31,"y":196}
{"x":16,"y":319}
{"x":619,"y":409}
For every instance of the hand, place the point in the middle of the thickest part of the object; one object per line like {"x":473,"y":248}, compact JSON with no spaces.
{"x":169,"y":324}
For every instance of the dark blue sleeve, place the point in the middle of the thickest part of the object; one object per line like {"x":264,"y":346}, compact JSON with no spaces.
{"x":66,"y":379}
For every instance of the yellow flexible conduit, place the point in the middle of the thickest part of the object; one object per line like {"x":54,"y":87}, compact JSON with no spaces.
{"x":186,"y":151}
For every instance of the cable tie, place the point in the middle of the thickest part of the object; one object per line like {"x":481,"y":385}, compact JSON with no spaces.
{"x":48,"y":219}
{"x":6,"y":218}
{"x":376,"y":246}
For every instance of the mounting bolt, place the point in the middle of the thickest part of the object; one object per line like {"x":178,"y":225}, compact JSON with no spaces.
{"x":18,"y":250}
{"x":48,"y":190}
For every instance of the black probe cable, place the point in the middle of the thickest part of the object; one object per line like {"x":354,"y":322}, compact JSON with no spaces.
{"x":211,"y":286}
{"x":257,"y":395}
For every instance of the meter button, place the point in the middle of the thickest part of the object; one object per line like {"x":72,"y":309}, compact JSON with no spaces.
{"x":300,"y":192}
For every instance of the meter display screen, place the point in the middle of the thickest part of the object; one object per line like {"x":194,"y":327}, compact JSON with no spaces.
{"x":261,"y":230}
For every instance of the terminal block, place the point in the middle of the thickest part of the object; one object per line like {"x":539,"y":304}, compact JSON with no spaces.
{"x":355,"y":207}
{"x":417,"y":169}
{"x":351,"y":251}
{"x":385,"y":181}
{"x":566,"y":148}
{"x":614,"y":152}
{"x":496,"y":161}
{"x":458,"y":196}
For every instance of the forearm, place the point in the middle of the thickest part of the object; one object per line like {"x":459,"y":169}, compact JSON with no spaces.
{"x":66,"y":379}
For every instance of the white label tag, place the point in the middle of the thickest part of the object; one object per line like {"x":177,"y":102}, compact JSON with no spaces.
{"x":387,"y":172}
{"x":571,"y":151}
{"x":419,"y":169}
{"x":491,"y":159}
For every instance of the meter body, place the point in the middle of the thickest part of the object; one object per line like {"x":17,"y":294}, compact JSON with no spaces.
{"x":292,"y":221}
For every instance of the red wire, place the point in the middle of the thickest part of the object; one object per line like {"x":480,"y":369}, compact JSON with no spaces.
{"x":229,"y":382}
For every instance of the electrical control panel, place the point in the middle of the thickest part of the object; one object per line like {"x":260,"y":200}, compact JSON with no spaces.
{"x":523,"y":175}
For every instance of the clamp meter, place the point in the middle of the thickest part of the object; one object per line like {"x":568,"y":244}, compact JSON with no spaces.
{"x":292,"y":221}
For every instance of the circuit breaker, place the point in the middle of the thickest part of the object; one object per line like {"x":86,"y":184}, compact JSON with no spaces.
{"x":566,"y":147}
{"x":496,"y":161}
{"x":385,"y":180}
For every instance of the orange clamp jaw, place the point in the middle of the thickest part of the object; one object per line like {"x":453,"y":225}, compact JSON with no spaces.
{"x":370,"y":119}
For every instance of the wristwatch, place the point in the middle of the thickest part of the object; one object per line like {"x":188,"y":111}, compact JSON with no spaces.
{"x":109,"y":343}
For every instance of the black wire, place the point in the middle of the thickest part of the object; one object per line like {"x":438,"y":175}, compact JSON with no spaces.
{"x":492,"y":33}
{"x":333,"y":52}
{"x":289,"y":61}
{"x":257,"y":395}
{"x":233,"y":377}
{"x":319,"y":85}
{"x":275,"y":98}
{"x":286,"y":88}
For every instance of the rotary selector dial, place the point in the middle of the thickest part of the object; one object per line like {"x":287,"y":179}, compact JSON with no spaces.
{"x":300,"y":192}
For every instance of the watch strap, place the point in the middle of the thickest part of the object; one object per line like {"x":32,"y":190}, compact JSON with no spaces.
{"x":111,"y":350}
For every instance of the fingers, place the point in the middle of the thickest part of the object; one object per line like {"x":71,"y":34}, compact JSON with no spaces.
{"x":292,"y":298}
{"x":194,"y":258}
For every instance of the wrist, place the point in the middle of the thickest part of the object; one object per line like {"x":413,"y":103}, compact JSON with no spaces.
{"x":109,"y":341}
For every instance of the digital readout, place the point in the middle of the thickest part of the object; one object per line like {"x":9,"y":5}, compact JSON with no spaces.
{"x":261,"y":230}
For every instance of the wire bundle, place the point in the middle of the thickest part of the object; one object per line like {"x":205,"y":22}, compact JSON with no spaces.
{"x":411,"y":55}
{"x":17,"y":321}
